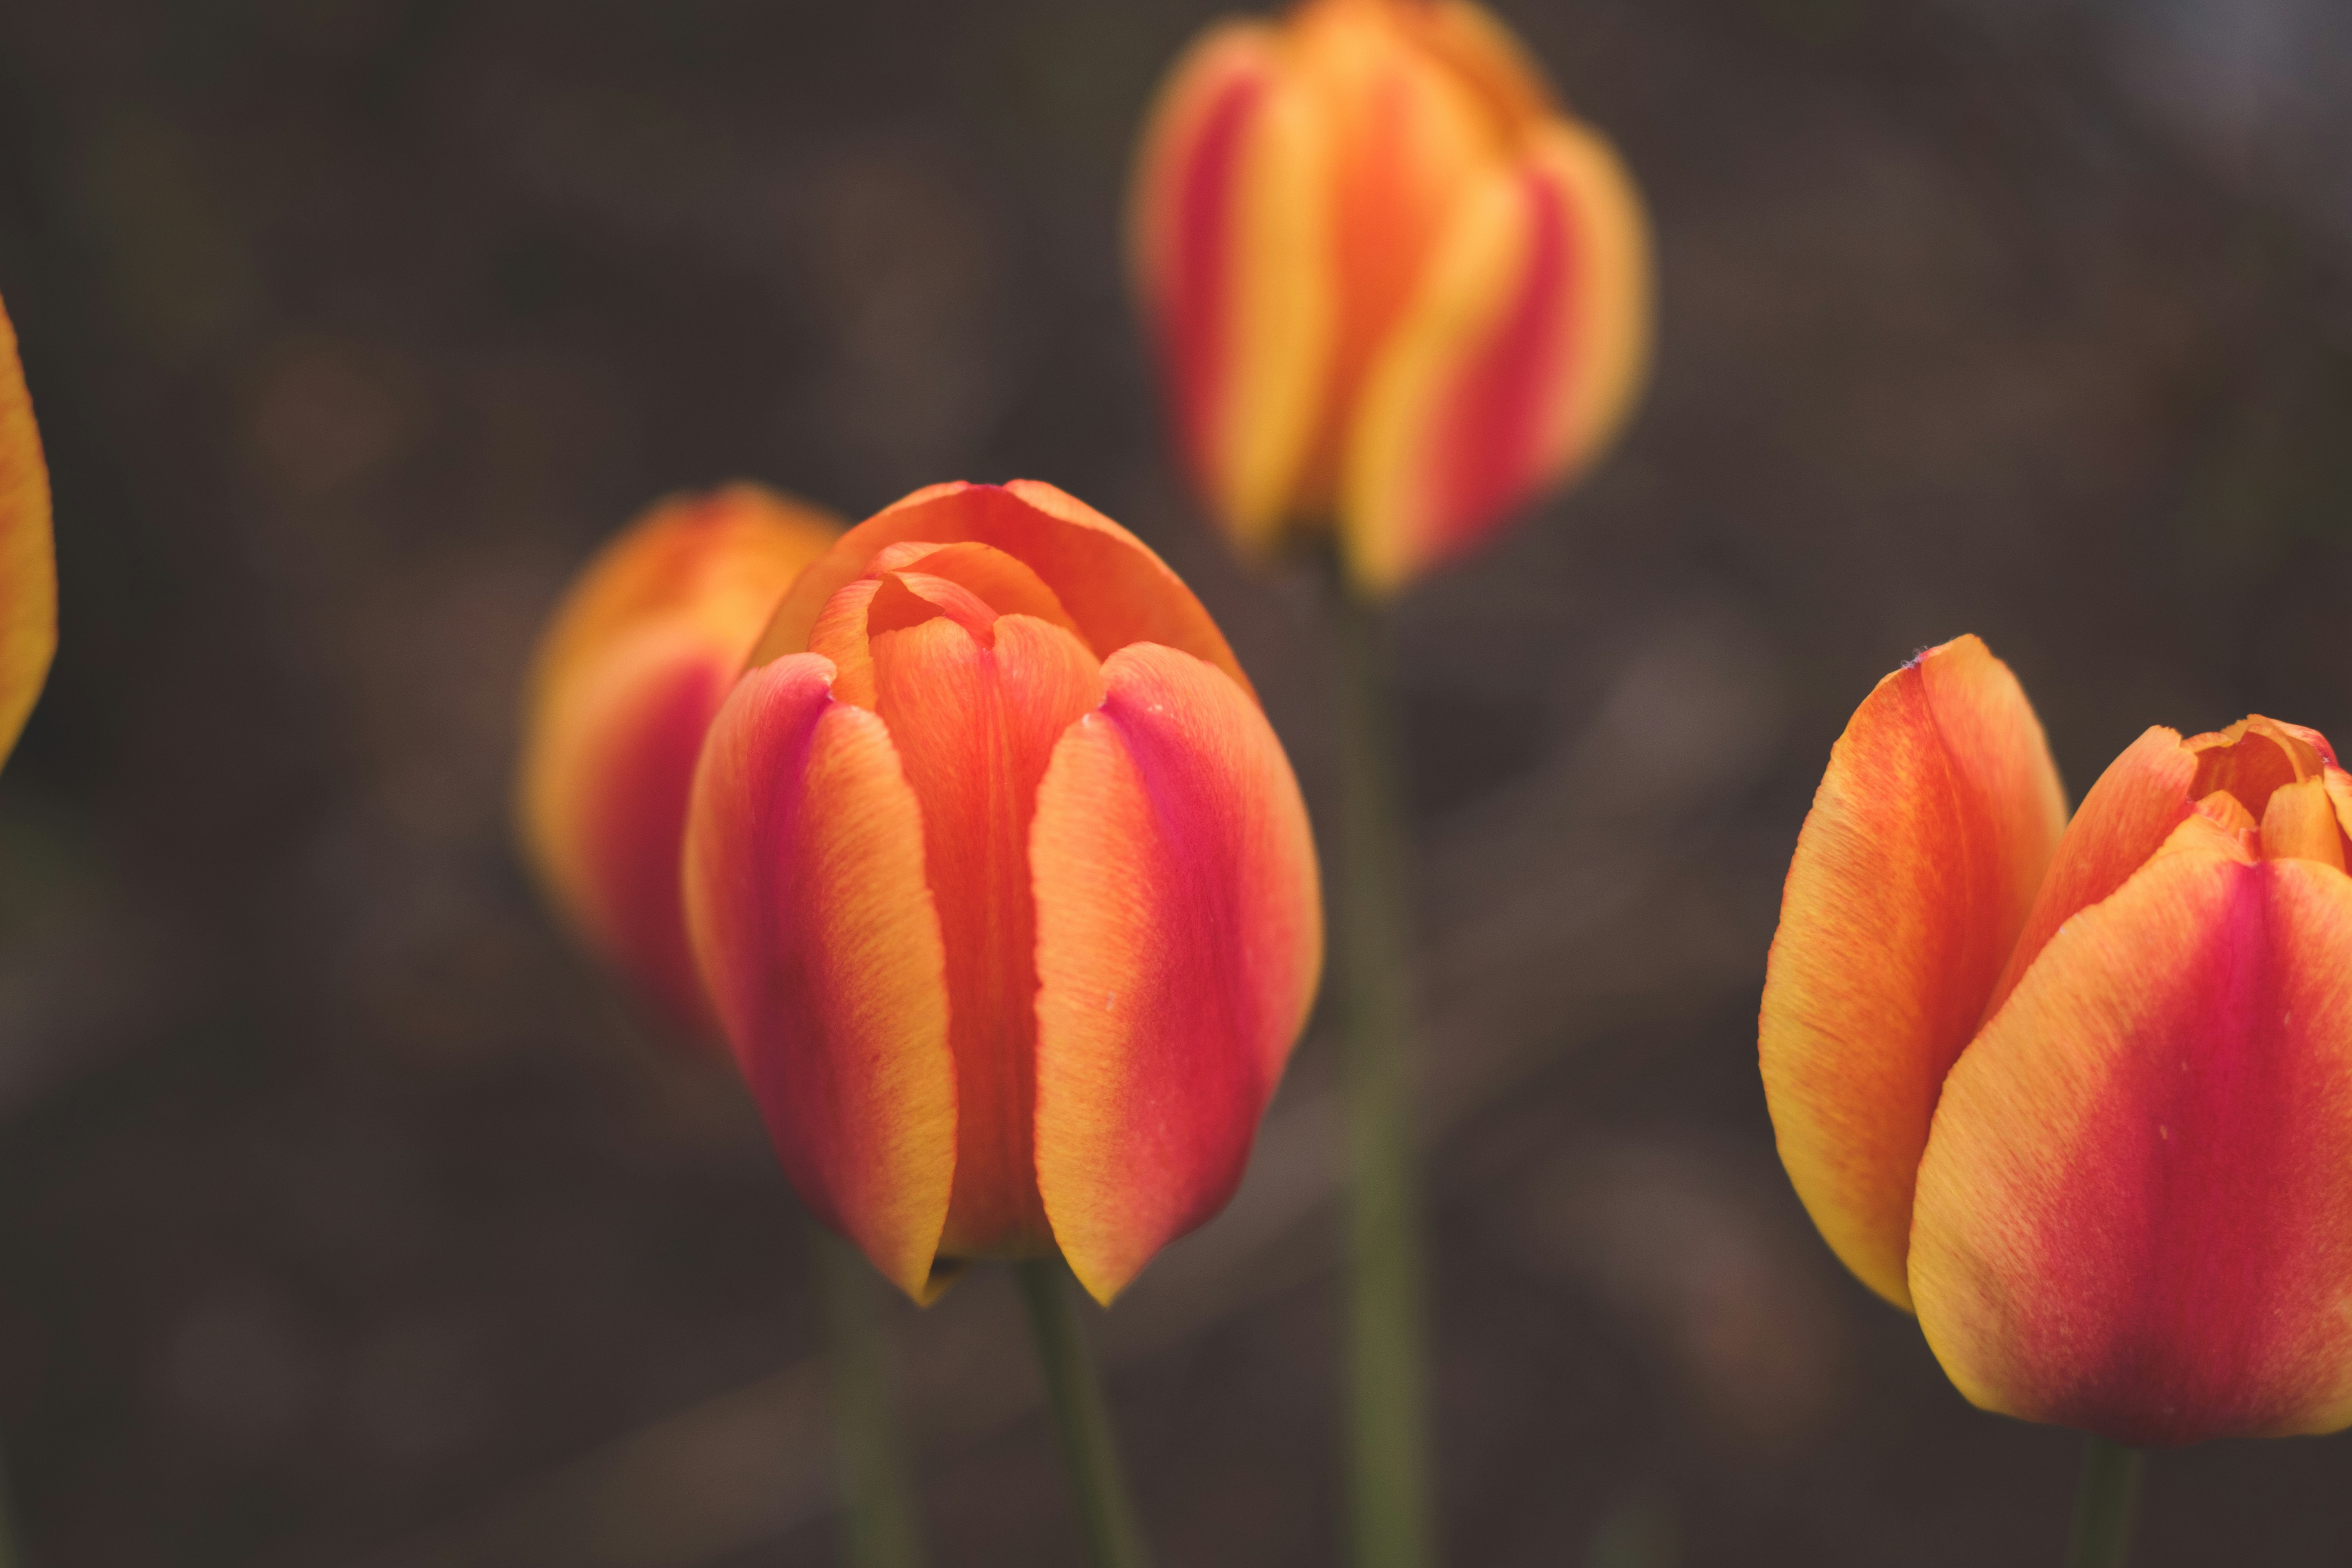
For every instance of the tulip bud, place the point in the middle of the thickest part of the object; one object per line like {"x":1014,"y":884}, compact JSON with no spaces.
{"x":632,"y":666}
{"x":1003,"y":890}
{"x":29,"y":566}
{"x":2079,"y":1092}
{"x":1392,"y":284}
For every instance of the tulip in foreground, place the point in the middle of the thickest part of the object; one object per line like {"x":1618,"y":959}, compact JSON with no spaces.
{"x":1392,"y":283}
{"x":2079,"y":1093}
{"x":633,"y":665}
{"x":29,"y":568}
{"x":1003,"y":890}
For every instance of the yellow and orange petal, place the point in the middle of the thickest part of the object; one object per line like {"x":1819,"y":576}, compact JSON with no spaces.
{"x":975,"y":722}
{"x":821,"y":944}
{"x":1178,"y":945}
{"x":1913,"y":875}
{"x":1228,"y":238}
{"x":1515,"y":363}
{"x":2135,"y":1213}
{"x":1403,"y":135}
{"x":1114,"y":591}
{"x":2126,"y":819}
{"x":28,"y":565}
{"x":1485,"y":56}
{"x":633,"y":665}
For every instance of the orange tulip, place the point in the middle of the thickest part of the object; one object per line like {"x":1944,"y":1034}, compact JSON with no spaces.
{"x":2080,"y":1093}
{"x":1003,"y":890}
{"x":632,"y":666}
{"x":28,"y":562}
{"x":1392,"y":283}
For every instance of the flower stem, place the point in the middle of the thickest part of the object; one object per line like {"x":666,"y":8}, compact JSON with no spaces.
{"x":1387,"y":1472}
{"x":2106,"y":1506}
{"x":1081,"y":1418}
{"x":883,"y":1529}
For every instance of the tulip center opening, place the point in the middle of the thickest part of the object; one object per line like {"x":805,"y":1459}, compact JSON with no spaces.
{"x":2267,"y":783}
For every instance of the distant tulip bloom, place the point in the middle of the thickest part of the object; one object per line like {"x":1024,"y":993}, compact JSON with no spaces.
{"x":1003,"y":889}
{"x":2080,"y":1093}
{"x":1393,"y":284}
{"x":28,"y":566}
{"x":628,"y":673}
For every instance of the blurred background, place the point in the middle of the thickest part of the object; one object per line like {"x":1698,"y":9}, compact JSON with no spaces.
{"x":346,"y":1221}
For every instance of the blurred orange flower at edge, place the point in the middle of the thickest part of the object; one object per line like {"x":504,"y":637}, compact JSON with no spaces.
{"x":2078,"y":1092}
{"x":29,"y":566}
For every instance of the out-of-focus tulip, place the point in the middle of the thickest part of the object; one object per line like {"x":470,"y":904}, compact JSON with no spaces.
{"x":1003,"y":890}
{"x":2080,"y":1093}
{"x":630,"y":668}
{"x":28,"y":565}
{"x":1393,"y":284}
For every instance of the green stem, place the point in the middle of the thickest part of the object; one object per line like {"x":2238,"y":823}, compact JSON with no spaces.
{"x":1081,"y":1418}
{"x":2106,"y":1506}
{"x":1388,"y":1464}
{"x":878,"y":1501}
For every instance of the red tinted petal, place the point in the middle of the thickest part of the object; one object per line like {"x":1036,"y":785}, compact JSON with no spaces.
{"x":822,"y":950}
{"x":1229,"y":244}
{"x":2135,"y":1215}
{"x":1178,"y":942}
{"x":1517,"y":361}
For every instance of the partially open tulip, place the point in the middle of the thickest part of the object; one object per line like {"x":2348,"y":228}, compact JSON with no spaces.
{"x":632,"y":665}
{"x":1393,"y":285}
{"x":29,"y":566}
{"x":1003,"y":890}
{"x":2079,"y":1092}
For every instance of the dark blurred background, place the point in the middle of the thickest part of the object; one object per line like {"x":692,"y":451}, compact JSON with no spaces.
{"x":346,"y":1221}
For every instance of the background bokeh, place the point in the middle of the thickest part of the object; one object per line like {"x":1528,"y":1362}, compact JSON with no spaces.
{"x":346,"y":1221}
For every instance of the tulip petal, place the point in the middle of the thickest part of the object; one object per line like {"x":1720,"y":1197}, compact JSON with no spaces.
{"x":1178,"y":942}
{"x":1403,"y":134}
{"x":1912,"y":875}
{"x":1115,"y":589}
{"x":1227,"y":237}
{"x":821,"y":946}
{"x":1000,"y":581}
{"x":976,"y":726}
{"x":2338,"y":784}
{"x":2134,"y":1214}
{"x":28,"y":562}
{"x":1485,"y":56}
{"x":1516,"y":362}
{"x":2300,"y":824}
{"x":2126,"y":817}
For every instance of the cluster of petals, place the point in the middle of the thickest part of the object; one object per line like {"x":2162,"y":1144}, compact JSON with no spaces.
{"x":29,"y":567}
{"x":1393,"y":285}
{"x":633,"y":664}
{"x":1003,"y":890}
{"x":2079,"y":1092}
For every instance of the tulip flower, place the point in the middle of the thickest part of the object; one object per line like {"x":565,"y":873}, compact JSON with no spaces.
{"x":1003,"y":890}
{"x":2079,"y":1093}
{"x":630,"y":668}
{"x":29,"y":567}
{"x":1393,"y":285}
